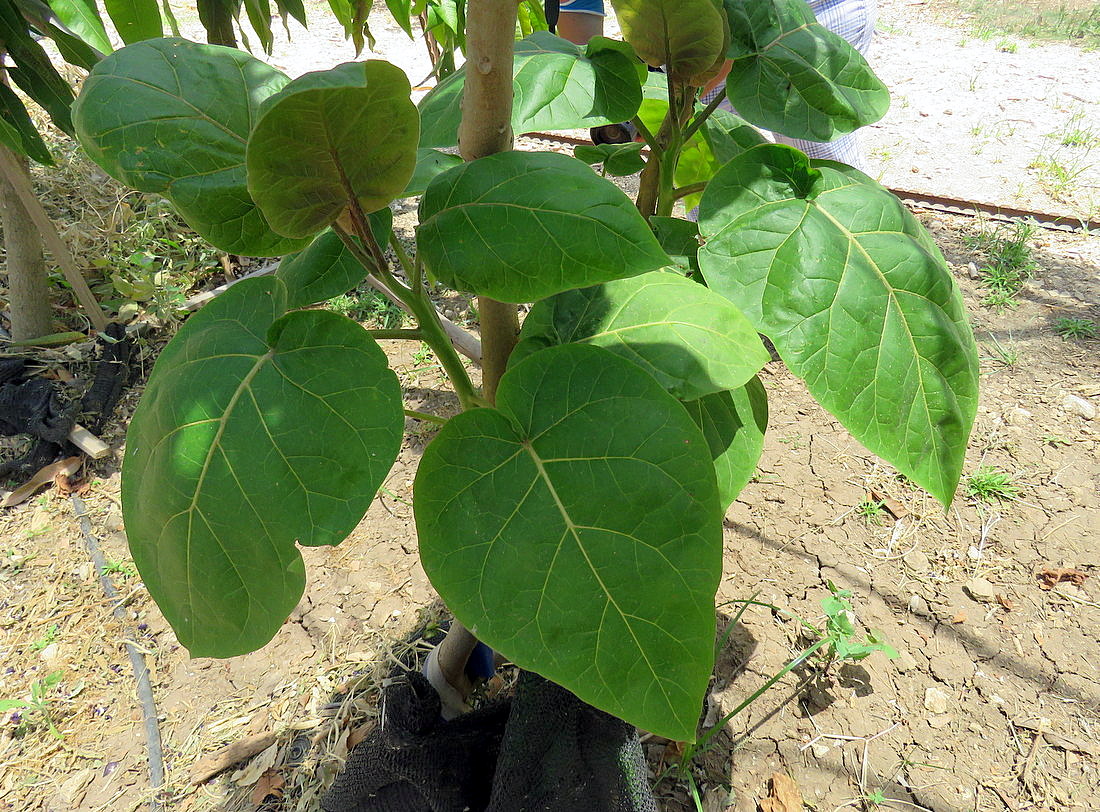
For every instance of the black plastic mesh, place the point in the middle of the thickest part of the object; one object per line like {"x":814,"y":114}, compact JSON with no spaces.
{"x":543,"y":751}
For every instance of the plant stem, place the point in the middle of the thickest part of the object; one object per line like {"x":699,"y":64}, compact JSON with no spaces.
{"x":411,"y":335}
{"x":802,"y":656}
{"x":702,"y":116}
{"x":486,"y":129}
{"x":650,"y":185}
{"x":691,"y":189}
{"x":428,"y":418}
{"x":644,"y":132}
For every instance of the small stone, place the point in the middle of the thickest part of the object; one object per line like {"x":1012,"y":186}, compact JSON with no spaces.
{"x":905,"y":662}
{"x":820,"y":750}
{"x":935,"y":700}
{"x":918,"y":606}
{"x":941,"y":720}
{"x":980,"y":590}
{"x":917,"y":561}
{"x":113,"y":522}
{"x":1018,"y":417}
{"x":973,"y":553}
{"x":49,"y":653}
{"x":1079,"y":406}
{"x":972,"y":271}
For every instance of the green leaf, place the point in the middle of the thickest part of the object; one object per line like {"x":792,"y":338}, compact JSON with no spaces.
{"x":18,"y":131}
{"x":429,"y":163}
{"x":217,"y":18}
{"x":687,"y":37}
{"x":557,"y":86}
{"x":575,"y":529}
{"x":519,"y":226}
{"x":259,"y":15}
{"x":686,"y":336}
{"x":733,"y":424}
{"x":792,"y":75}
{"x":82,"y":18}
{"x":30,"y":68}
{"x":618,"y":160}
{"x":402,"y":14}
{"x":331,"y":139}
{"x":135,"y":20}
{"x":680,"y":240}
{"x":327,"y":268}
{"x":257,"y":430}
{"x":172,"y":117}
{"x":857,"y":299}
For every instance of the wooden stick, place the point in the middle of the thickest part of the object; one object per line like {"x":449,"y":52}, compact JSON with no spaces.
{"x":52,"y":239}
{"x":88,"y":442}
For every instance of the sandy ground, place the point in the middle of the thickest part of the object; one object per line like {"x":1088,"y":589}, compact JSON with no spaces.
{"x":950,"y":726}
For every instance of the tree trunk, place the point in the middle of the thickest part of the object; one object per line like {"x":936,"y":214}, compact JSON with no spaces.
{"x":486,"y":128}
{"x":28,"y":292}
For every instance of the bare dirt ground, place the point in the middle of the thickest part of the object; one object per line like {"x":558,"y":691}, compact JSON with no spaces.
{"x":993,"y":704}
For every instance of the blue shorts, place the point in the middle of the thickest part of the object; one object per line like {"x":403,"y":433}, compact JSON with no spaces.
{"x":582,"y":6}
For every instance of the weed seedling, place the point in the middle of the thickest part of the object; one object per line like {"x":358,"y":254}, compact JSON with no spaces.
{"x":1002,"y":354}
{"x":34,"y":712}
{"x":1069,"y":328}
{"x":989,"y":483}
{"x":52,"y":632}
{"x":118,"y":568}
{"x":870,"y":511}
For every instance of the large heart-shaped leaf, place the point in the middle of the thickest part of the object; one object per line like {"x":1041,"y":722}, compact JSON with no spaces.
{"x":575,"y":528}
{"x":172,"y":117}
{"x":734,"y":424}
{"x":686,"y":37}
{"x":326,"y":268}
{"x":857,"y":299}
{"x":792,"y":75}
{"x":519,"y":226}
{"x":330,"y":139}
{"x":691,"y":339}
{"x":257,"y":430}
{"x":557,"y":86}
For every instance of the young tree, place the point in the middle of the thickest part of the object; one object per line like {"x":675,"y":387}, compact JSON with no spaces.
{"x":571,"y":515}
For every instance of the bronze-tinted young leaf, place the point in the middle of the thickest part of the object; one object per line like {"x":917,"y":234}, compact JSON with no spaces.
{"x":331,"y":139}
{"x":172,"y":117}
{"x":686,"y":37}
{"x":575,"y":528}
{"x":792,"y":75}
{"x":857,"y":298}
{"x":257,"y":430}
{"x":689,"y":338}
{"x":557,"y":86}
{"x":519,"y":226}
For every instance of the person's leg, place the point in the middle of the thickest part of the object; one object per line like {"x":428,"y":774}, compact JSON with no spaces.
{"x":580,"y":20}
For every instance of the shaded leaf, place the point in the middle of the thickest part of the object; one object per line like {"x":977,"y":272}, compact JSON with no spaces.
{"x":557,"y":86}
{"x":733,"y":424}
{"x":18,"y":132}
{"x":326,"y":268}
{"x":172,"y":117}
{"x":617,"y":160}
{"x":257,"y":430}
{"x":680,"y":240}
{"x":519,"y":226}
{"x":135,"y":20}
{"x":857,"y":299}
{"x":539,"y":519}
{"x":30,"y":68}
{"x":429,"y":163}
{"x":331,"y":139}
{"x":792,"y":75}
{"x":689,"y":338}
{"x":686,"y":37}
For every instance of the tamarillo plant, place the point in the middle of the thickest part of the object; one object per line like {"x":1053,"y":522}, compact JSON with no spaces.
{"x":571,"y":515}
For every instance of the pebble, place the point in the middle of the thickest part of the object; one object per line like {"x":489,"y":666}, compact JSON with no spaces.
{"x":917,"y":561}
{"x":935,"y":700}
{"x":49,"y":653}
{"x":1018,"y":417}
{"x":1079,"y":406}
{"x":905,"y":662}
{"x":980,"y":590}
{"x":918,"y":606}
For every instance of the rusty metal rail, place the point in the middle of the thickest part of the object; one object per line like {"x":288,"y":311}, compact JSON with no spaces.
{"x":923,"y":200}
